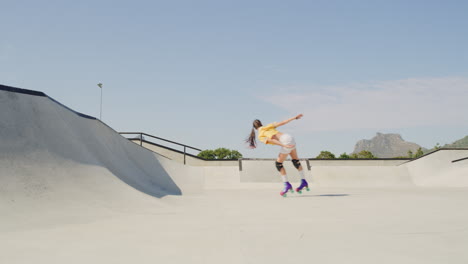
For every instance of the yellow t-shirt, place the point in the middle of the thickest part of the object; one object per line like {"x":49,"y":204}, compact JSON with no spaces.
{"x":267,"y":132}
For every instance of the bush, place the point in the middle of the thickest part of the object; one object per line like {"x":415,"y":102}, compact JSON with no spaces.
{"x":326,"y":155}
{"x":363,"y":155}
{"x":419,"y":153}
{"x":207,"y":154}
{"x":344,"y":156}
{"x":412,"y":155}
{"x":219,"y":154}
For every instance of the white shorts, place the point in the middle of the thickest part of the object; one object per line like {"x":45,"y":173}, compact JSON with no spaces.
{"x":287,"y":139}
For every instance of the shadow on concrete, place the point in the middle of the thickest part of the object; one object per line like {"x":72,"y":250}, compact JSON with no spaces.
{"x":318,"y":195}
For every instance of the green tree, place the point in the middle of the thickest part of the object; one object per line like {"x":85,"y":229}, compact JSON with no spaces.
{"x":344,"y":156}
{"x":326,"y":155}
{"x":207,"y":154}
{"x":410,"y":154}
{"x":219,"y":154}
{"x":235,"y":155}
{"x":364,"y":154}
{"x":419,"y":153}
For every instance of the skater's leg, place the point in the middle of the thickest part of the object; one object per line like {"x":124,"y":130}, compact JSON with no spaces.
{"x":294,"y":156}
{"x":281,"y":158}
{"x":297,"y":164}
{"x":279,"y":166}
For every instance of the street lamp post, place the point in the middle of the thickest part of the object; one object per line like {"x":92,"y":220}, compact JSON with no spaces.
{"x":100,"y":115}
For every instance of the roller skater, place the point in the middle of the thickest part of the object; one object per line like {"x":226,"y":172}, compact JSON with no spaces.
{"x":269,"y":135}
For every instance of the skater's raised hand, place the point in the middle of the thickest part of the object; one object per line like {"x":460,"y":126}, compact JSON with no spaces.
{"x":288,"y":120}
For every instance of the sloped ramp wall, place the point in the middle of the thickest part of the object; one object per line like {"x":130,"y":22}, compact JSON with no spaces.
{"x":45,"y":147}
{"x":439,"y":169}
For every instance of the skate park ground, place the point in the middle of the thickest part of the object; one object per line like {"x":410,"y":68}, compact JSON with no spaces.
{"x":72,"y":190}
{"x":249,"y":225}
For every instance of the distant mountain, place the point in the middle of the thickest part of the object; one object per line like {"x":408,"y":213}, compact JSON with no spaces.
{"x":461,"y":143}
{"x":387,"y":146}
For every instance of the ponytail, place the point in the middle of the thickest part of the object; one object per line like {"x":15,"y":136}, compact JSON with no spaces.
{"x":251,"y":140}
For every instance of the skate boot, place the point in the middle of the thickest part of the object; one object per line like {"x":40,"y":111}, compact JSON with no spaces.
{"x":303,"y":185}
{"x":287,"y":187}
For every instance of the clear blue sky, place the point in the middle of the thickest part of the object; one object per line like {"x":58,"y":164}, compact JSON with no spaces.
{"x":199,"y":72}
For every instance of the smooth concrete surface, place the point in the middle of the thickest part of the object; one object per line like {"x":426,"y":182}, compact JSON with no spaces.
{"x":357,"y":162}
{"x":223,"y":177}
{"x":359,"y":177}
{"x":438,"y":170}
{"x":72,"y":190}
{"x":247,"y":225}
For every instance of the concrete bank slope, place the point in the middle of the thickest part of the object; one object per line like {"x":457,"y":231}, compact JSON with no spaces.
{"x":443,"y":168}
{"x":47,"y":149}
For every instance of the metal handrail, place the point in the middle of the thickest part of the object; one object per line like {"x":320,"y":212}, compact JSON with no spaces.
{"x":163,"y":139}
{"x":453,"y":161}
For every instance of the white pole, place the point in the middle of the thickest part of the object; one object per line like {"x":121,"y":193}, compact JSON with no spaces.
{"x":101,"y":106}
{"x":100,"y":114}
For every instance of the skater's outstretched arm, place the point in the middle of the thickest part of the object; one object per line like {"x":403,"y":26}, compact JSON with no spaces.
{"x":282,"y":123}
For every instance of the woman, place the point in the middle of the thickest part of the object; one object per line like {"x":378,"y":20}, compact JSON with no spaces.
{"x":269,"y":135}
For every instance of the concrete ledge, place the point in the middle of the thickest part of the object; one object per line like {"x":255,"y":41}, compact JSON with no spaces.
{"x":358,"y":162}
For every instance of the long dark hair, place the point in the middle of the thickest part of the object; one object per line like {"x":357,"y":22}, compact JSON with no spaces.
{"x":251,"y":140}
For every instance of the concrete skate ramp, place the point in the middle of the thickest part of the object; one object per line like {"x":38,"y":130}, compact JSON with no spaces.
{"x":442,"y":168}
{"x":46,"y":147}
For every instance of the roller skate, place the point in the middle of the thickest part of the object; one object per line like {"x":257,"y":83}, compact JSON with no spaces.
{"x":287,"y":187}
{"x":303,"y":185}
